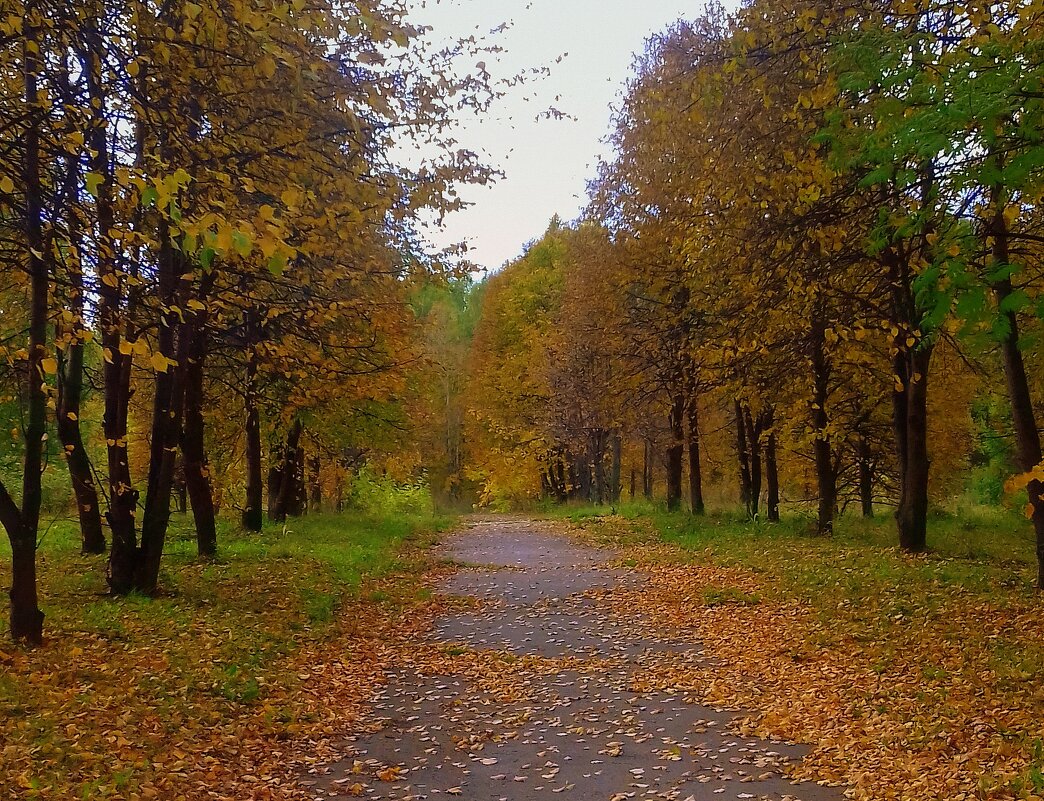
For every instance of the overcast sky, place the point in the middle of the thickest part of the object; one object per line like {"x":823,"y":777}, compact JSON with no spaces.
{"x":547,"y":162}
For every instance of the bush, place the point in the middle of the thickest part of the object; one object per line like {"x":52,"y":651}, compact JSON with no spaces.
{"x":373,"y":494}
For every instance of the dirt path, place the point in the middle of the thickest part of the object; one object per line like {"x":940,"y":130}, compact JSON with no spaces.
{"x":569,"y":726}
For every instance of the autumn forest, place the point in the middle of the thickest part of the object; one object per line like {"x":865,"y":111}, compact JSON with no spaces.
{"x":784,"y":369}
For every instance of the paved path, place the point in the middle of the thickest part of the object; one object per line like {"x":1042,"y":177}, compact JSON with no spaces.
{"x":575,"y":733}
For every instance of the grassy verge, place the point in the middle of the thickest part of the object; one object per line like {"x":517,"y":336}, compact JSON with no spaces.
{"x":160,"y":698}
{"x":920,"y":675}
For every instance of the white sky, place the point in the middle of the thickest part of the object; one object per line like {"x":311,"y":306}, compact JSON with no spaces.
{"x":547,"y":162}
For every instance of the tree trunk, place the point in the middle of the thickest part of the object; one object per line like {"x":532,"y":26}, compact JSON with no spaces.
{"x":826,"y":475}
{"x":598,"y":460}
{"x":909,"y":407}
{"x":1027,"y":435}
{"x":771,"y":467}
{"x":912,"y":515}
{"x":23,"y":525}
{"x":634,"y":483}
{"x":275,"y":484}
{"x":315,"y":500}
{"x":617,"y":467}
{"x":696,"y":503}
{"x":647,"y":475}
{"x":116,"y":367}
{"x":173,"y":341}
{"x":299,"y":506}
{"x":252,"y":516}
{"x":70,"y":380}
{"x":754,"y":447}
{"x":743,"y":457}
{"x":193,"y":447}
{"x":285,"y":496}
{"x":675,"y":454}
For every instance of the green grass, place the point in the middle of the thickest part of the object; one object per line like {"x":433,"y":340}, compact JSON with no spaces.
{"x":976,"y":550}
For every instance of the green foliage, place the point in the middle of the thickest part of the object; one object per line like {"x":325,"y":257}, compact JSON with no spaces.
{"x":380,"y":495}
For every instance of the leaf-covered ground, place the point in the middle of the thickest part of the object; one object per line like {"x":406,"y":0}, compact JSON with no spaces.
{"x":911,"y":677}
{"x":249,"y":665}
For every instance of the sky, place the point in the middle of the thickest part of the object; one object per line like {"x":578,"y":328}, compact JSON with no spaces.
{"x":547,"y":161}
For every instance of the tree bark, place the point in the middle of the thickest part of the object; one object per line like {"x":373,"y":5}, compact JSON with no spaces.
{"x":315,"y":500}
{"x":252,"y":515}
{"x":116,"y":367}
{"x":617,"y":468}
{"x":696,"y":503}
{"x":173,"y":341}
{"x":912,"y":515}
{"x":771,"y":467}
{"x":70,"y":375}
{"x":23,"y":525}
{"x":754,"y":447}
{"x":826,"y":475}
{"x":675,"y":454}
{"x":598,"y":460}
{"x":647,"y":476}
{"x":287,"y":476}
{"x":743,"y":457}
{"x":1027,"y":435}
{"x":909,"y":406}
{"x":193,"y":446}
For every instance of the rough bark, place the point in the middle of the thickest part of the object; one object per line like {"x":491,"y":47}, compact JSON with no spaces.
{"x":909,"y":405}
